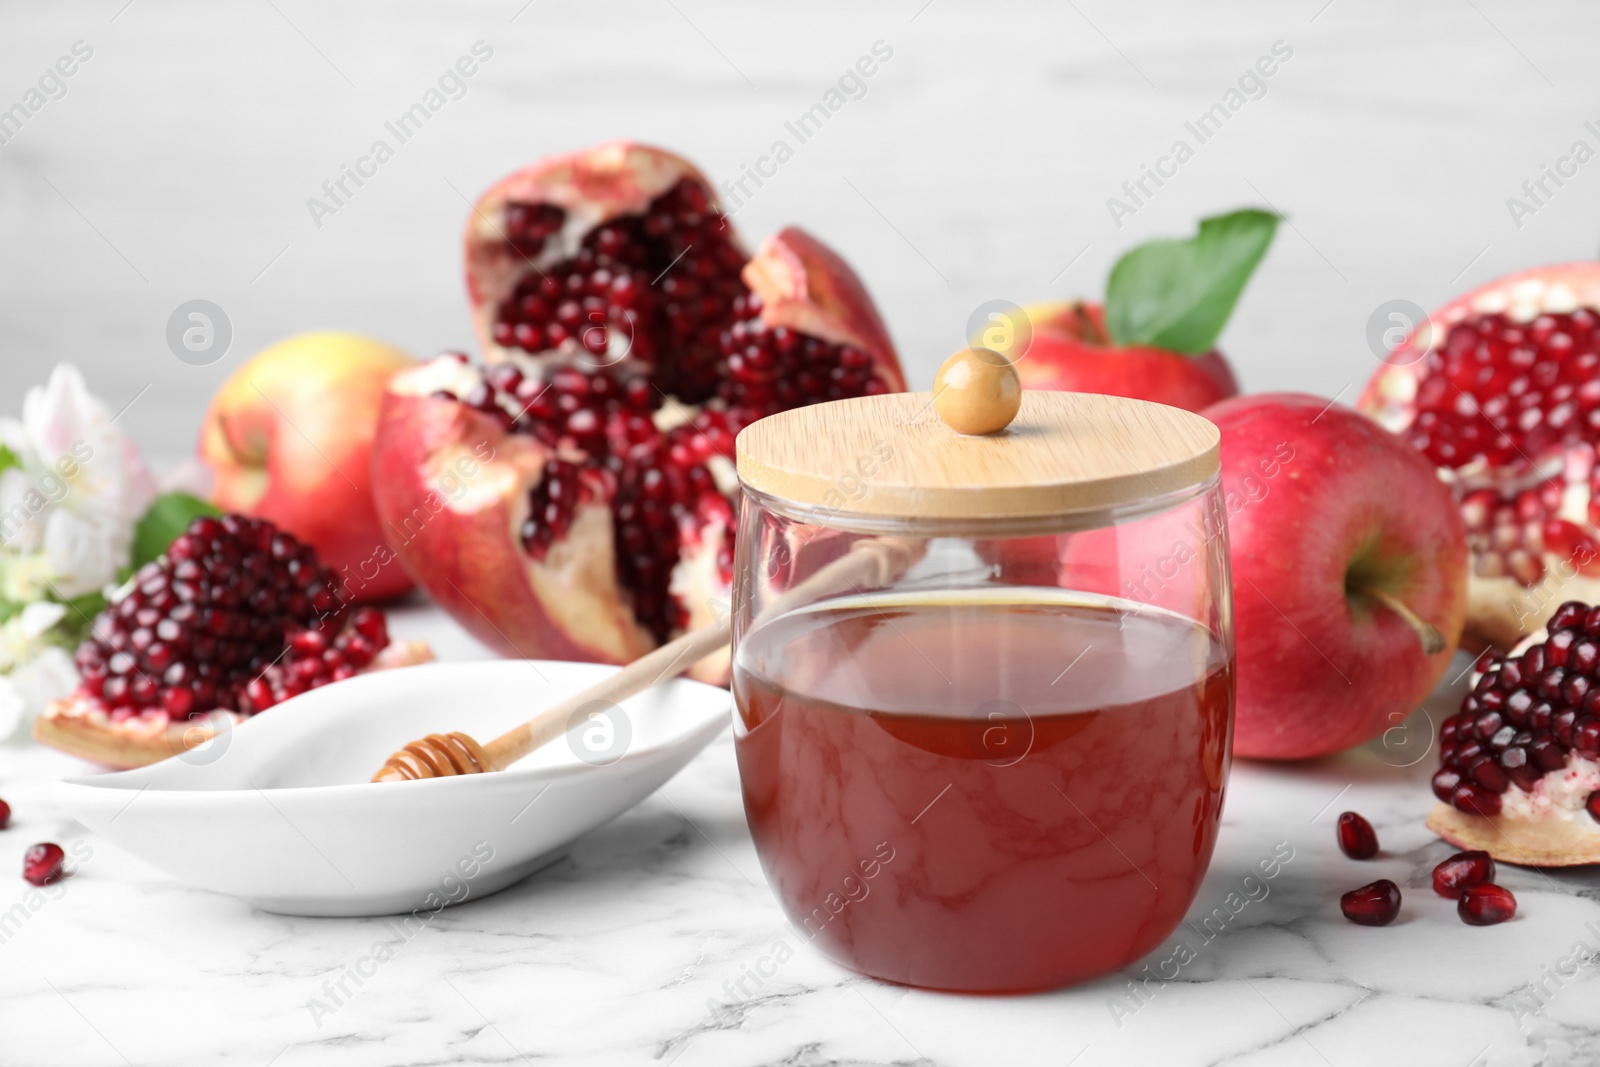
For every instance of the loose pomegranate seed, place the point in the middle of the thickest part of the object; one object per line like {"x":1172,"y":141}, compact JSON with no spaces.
{"x":1376,"y":904}
{"x":1592,"y":805}
{"x":1486,"y":904}
{"x":1460,"y":871}
{"x":43,"y":864}
{"x":1356,"y":837}
{"x":5,"y":815}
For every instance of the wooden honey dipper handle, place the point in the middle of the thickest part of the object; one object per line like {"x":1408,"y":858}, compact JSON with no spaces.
{"x":869,"y":564}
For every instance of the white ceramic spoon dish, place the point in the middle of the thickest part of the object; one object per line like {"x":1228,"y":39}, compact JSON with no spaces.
{"x":280,"y":812}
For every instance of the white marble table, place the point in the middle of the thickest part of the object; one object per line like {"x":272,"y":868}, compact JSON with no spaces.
{"x":619,"y":953}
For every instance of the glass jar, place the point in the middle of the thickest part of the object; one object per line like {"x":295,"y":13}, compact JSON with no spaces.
{"x":984,"y":685}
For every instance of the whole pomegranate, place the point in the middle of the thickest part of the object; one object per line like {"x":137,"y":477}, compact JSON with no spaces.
{"x":1501,"y":390}
{"x":575,"y":498}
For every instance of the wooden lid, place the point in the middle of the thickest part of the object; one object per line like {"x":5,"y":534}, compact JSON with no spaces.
{"x":892,"y":458}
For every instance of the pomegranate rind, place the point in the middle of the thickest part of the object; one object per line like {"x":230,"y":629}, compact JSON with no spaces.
{"x":1064,"y":352}
{"x":806,"y":286}
{"x":592,"y":186}
{"x":453,"y":489}
{"x":80,"y":727}
{"x":1552,"y":843}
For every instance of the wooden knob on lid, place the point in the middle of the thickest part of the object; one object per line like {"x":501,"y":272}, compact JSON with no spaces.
{"x":977,"y":392}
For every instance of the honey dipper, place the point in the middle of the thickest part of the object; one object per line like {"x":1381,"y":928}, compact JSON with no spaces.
{"x":870,"y":563}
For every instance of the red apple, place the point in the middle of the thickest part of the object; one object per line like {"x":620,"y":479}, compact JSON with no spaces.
{"x":289,"y":439}
{"x":1349,"y":574}
{"x":1070,"y":349}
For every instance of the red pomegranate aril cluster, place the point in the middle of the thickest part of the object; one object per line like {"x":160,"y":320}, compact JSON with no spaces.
{"x":664,"y":280}
{"x":1357,"y":839}
{"x":44,"y":864}
{"x":529,"y":225}
{"x":1509,"y":533}
{"x":197,"y":625}
{"x":1526,"y":716}
{"x":771,"y":370}
{"x":1506,"y":391}
{"x":313,"y":659}
{"x":652,"y":480}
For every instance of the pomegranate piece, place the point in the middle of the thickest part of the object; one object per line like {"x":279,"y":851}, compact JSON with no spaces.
{"x":1375,"y":904}
{"x":43,"y":864}
{"x":1463,"y":869}
{"x":1357,"y":838}
{"x":237,"y":616}
{"x":1501,"y":390}
{"x":1528,"y":716}
{"x":629,"y":337}
{"x":1486,"y":904}
{"x":205,"y":626}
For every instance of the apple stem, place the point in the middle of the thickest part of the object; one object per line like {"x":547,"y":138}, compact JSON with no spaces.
{"x":1432,"y":640}
{"x":1086,"y":324}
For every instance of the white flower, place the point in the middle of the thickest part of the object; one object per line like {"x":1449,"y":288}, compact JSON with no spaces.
{"x":25,"y":691}
{"x":23,"y":637}
{"x":24,"y":577}
{"x":80,"y":487}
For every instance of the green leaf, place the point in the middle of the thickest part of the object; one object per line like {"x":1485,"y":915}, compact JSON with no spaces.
{"x":8,"y":459}
{"x":1177,"y":293}
{"x":169,"y":515}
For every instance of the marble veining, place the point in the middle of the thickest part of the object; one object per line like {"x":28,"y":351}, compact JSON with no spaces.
{"x":655,"y":940}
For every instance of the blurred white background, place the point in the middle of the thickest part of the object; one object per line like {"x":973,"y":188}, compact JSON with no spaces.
{"x":978,"y":164}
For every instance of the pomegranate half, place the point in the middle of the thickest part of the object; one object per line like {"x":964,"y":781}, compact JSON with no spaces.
{"x":1501,"y":390}
{"x":575,"y":498}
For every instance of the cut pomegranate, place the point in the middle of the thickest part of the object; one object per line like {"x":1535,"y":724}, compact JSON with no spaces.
{"x":236,"y":616}
{"x":1527,"y":716}
{"x":1486,"y":904}
{"x":1462,"y":870}
{"x":1501,"y":390}
{"x":1375,"y":904}
{"x":44,"y":863}
{"x":1525,"y":747}
{"x":575,"y":499}
{"x":1357,"y":837}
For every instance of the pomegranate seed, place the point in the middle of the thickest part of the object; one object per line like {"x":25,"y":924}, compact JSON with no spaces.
{"x":1376,"y":904}
{"x":5,"y":815}
{"x":1356,"y":837}
{"x":43,"y":864}
{"x":1460,"y":871}
{"x":1592,"y":805}
{"x":1486,"y":904}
